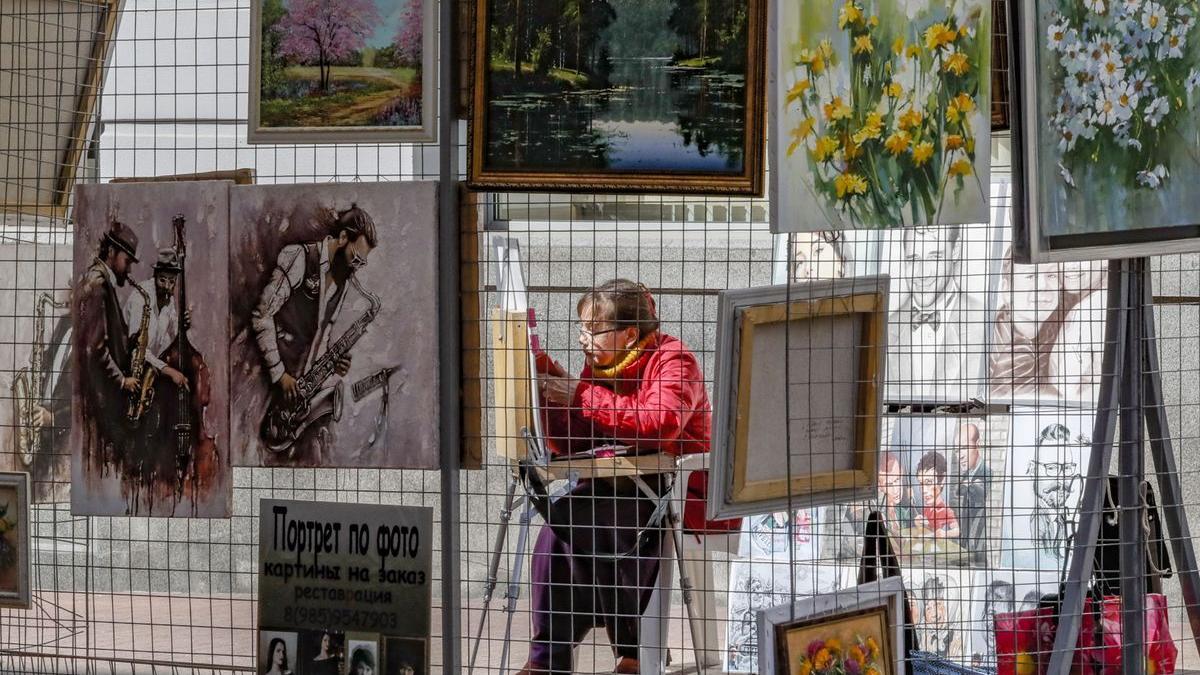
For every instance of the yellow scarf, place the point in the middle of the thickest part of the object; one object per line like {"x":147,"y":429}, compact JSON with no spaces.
{"x":615,"y":371}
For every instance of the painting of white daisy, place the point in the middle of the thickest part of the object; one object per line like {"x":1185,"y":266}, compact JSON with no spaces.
{"x":879,"y":113}
{"x":1108,"y":128}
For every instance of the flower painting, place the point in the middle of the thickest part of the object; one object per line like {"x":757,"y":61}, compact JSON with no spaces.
{"x":342,"y":70}
{"x":879,"y":113}
{"x":14,"y":540}
{"x":1112,"y":136}
{"x":855,"y":643}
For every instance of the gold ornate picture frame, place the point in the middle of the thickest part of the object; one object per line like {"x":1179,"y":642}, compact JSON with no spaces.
{"x":605,"y":116}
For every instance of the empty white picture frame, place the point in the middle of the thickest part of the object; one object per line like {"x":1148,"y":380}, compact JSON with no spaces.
{"x":799,"y":371}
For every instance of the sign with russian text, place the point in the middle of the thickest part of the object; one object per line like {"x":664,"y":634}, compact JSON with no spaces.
{"x":344,"y":588}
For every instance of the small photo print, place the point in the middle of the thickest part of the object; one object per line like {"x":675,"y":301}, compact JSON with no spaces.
{"x":362,"y":654}
{"x":405,"y":656}
{"x":940,"y":599}
{"x":322,"y":652}
{"x":276,"y":652}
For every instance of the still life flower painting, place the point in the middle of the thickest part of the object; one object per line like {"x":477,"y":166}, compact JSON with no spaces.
{"x":854,"y":643}
{"x":879,"y":113}
{"x":1111,"y":130}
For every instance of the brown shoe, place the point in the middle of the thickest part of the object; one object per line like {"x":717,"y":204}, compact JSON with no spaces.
{"x":628,"y":666}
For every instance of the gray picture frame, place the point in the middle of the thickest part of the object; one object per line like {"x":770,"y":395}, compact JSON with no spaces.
{"x":732,"y":493}
{"x":1031,"y":161}
{"x":425,"y":133}
{"x":887,"y":593}
{"x":21,"y":599}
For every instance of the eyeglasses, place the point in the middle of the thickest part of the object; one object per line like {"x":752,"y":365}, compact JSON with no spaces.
{"x":591,"y":335}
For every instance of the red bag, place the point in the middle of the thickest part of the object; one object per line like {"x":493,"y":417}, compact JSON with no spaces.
{"x":1025,"y":640}
{"x":694,"y":505}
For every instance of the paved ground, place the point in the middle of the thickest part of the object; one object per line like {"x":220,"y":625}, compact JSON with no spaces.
{"x":177,"y":634}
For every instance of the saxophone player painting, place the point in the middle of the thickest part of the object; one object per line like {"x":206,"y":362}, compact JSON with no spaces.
{"x":334,"y":344}
{"x":151,"y":428}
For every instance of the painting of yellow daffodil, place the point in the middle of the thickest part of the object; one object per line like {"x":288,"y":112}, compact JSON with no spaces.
{"x":879,"y":113}
{"x":1110,"y":151}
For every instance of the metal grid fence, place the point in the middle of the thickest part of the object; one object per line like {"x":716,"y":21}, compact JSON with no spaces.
{"x":150,"y":595}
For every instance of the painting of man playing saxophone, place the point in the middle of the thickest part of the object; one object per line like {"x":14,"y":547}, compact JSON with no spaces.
{"x":334,"y":325}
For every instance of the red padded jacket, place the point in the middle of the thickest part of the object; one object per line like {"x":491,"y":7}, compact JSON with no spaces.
{"x":658,"y":404}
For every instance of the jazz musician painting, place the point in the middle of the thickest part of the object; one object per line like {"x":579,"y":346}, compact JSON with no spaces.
{"x":292,"y":324}
{"x":334,"y":321}
{"x":151,"y":378}
{"x":41,"y":402}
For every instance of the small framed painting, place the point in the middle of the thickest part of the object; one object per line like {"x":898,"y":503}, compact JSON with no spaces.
{"x":1105,"y":129}
{"x":619,"y":96}
{"x":823,"y":409}
{"x":855,"y":630}
{"x":343,"y":71}
{"x":14,"y":541}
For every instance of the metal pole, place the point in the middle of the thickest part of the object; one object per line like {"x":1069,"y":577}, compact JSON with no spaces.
{"x":1131,"y":469}
{"x":1170,"y":491}
{"x":493,"y":576}
{"x":450,"y":333}
{"x":1084,"y":550}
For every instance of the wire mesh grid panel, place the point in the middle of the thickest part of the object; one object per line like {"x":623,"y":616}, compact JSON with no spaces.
{"x":992,"y":376}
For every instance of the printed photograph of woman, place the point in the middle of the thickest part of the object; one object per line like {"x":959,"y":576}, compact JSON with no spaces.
{"x":597,"y":562}
{"x":275,"y":650}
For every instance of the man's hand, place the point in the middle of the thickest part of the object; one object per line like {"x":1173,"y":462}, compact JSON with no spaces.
{"x":560,"y":390}
{"x":42,"y":418}
{"x":130,"y":384}
{"x":287,"y":384}
{"x":342,"y":366}
{"x":177,"y":377}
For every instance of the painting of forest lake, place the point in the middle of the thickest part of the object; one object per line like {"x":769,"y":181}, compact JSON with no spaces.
{"x":342,"y":70}
{"x":624,"y":94}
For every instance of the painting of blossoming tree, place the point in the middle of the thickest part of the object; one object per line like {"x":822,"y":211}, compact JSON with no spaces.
{"x":879,"y":113}
{"x":1112,"y":111}
{"x":341,"y":70}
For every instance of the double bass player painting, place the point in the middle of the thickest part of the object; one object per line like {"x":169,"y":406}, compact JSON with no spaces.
{"x":334,"y":347}
{"x":150,"y":305}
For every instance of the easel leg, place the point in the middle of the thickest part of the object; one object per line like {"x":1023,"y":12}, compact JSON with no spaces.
{"x":1131,"y":470}
{"x":1170,"y":490}
{"x":489,"y":587}
{"x":1091,"y":505}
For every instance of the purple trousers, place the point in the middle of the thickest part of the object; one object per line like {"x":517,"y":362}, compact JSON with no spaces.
{"x":592,"y":568}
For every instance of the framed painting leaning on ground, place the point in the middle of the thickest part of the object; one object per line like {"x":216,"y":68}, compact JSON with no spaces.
{"x":342,"y":71}
{"x":1105,"y":129}
{"x":619,"y":95}
{"x":14,"y":540}
{"x":859,"y":629}
{"x":878,"y":113}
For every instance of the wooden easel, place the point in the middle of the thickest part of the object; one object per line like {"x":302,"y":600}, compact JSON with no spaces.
{"x":1131,"y":390}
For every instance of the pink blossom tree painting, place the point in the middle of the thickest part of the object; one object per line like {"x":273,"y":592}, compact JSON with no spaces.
{"x":328,"y":65}
{"x":322,"y":31}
